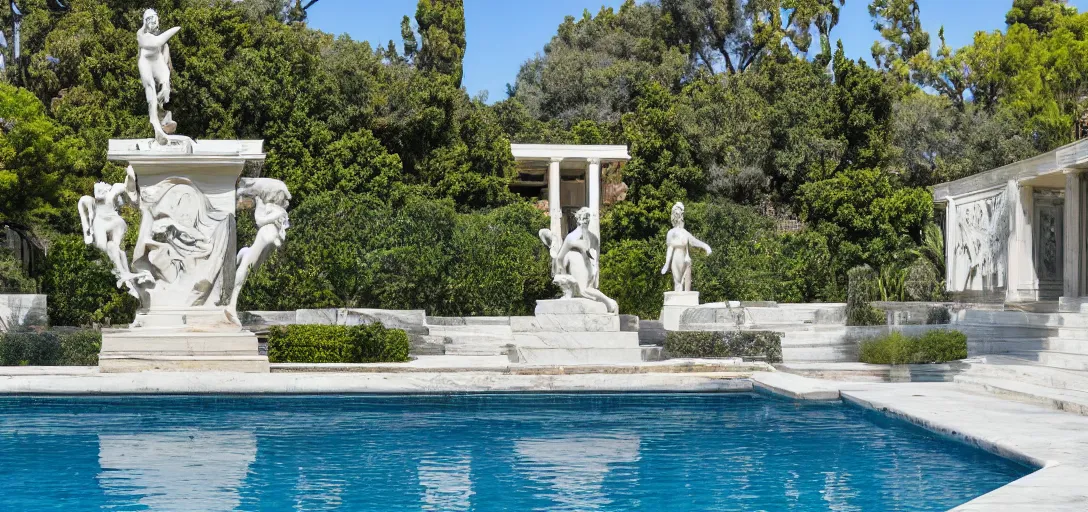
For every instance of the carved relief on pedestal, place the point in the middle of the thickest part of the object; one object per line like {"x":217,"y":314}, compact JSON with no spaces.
{"x":980,"y":252}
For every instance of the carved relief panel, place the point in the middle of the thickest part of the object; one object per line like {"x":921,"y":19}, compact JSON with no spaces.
{"x":980,"y":250}
{"x":1048,"y":228}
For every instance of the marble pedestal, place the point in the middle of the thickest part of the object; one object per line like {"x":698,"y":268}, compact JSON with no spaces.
{"x":675,"y":305}
{"x":136,"y":350}
{"x":184,"y":262}
{"x":573,"y":331}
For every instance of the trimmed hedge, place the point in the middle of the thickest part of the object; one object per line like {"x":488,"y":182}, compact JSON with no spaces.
{"x":935,"y":346}
{"x":371,"y":343}
{"x":50,"y":348}
{"x":762,"y":345}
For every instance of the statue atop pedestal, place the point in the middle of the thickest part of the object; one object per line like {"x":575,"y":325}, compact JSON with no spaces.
{"x":576,"y":261}
{"x":186,"y":268}
{"x":678,"y":244}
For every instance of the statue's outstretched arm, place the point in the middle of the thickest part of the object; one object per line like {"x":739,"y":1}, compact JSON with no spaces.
{"x":161,"y":39}
{"x":695,"y":242}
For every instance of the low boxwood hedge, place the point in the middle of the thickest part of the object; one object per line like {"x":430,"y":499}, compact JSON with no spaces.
{"x":371,"y":343}
{"x":757,"y":345}
{"x":50,"y":348}
{"x":936,"y":346}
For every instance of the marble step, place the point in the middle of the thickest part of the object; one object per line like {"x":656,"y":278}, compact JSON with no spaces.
{"x":1061,"y":399}
{"x":422,"y":345}
{"x":1052,"y":359}
{"x":564,"y":356}
{"x":453,"y":321}
{"x":470,"y":330}
{"x":478,"y":350}
{"x":1011,"y":368}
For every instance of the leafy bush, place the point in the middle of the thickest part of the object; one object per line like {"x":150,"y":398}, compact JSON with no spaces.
{"x":80,"y":286}
{"x":765,"y":345}
{"x":935,"y":346}
{"x":50,"y":348}
{"x":419,"y":254}
{"x":371,"y":343}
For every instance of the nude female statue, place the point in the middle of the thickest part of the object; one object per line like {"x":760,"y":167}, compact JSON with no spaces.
{"x":104,"y":228}
{"x":678,"y":243}
{"x":577,"y":262}
{"x":154,"y":65}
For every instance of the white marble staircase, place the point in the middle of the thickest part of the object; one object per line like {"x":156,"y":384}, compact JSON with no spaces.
{"x":473,"y":336}
{"x":1026,"y":381}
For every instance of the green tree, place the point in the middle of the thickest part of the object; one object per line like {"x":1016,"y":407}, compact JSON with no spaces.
{"x":442,"y":28}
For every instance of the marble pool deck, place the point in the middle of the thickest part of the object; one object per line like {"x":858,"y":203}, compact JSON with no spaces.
{"x":1055,"y":441}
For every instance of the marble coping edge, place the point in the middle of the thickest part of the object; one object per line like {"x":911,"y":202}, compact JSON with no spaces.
{"x":991,"y":446}
{"x":233,"y":383}
{"x":794,"y":387}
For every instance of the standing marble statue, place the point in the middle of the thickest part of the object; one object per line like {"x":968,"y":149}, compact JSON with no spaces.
{"x":154,"y":65}
{"x":575,"y":261}
{"x":678,"y":244}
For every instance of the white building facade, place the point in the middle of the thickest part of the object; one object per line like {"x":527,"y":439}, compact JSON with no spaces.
{"x":1016,"y":234}
{"x":571,"y":175}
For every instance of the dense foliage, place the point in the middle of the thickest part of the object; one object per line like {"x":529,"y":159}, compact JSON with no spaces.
{"x":797,"y":161}
{"x":371,"y":343}
{"x":936,"y":346}
{"x":749,"y":345}
{"x":50,"y":348}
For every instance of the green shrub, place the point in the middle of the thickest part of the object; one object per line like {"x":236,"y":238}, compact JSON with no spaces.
{"x":337,"y":344}
{"x":764,"y":345}
{"x":50,"y":348}
{"x":80,"y":348}
{"x":943,"y":345}
{"x":935,"y":346}
{"x":863,"y":287}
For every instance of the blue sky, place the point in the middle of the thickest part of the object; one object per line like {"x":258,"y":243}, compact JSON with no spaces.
{"x":502,"y":34}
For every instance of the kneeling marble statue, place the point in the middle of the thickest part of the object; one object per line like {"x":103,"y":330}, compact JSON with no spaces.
{"x":576,"y":261}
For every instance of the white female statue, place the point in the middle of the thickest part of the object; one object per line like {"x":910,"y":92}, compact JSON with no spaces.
{"x":678,"y":243}
{"x":270,"y":197}
{"x":154,"y":64}
{"x":575,"y":262}
{"x":104,"y":228}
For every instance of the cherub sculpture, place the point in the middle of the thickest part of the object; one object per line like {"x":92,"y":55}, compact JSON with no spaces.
{"x":270,"y":198}
{"x":154,"y":65}
{"x":678,"y":243}
{"x":104,"y":228}
{"x":575,"y":261}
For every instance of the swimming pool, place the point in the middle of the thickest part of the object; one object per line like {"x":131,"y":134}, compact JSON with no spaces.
{"x":478,"y":452}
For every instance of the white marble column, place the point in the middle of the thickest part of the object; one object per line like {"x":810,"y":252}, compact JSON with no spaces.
{"x":555,"y":206}
{"x":950,"y":245}
{"x":1072,"y":237}
{"x":593,"y":194}
{"x":1023,"y":284}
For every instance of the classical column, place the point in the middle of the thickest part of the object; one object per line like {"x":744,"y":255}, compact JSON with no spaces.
{"x":950,"y":234}
{"x":555,"y":207}
{"x":1023,"y":284}
{"x":593,"y":194}
{"x":1072,"y":236}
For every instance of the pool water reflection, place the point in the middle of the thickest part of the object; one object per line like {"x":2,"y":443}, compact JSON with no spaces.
{"x":477,"y":452}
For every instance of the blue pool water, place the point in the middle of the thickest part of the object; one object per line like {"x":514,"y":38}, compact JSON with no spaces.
{"x":477,"y":452}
